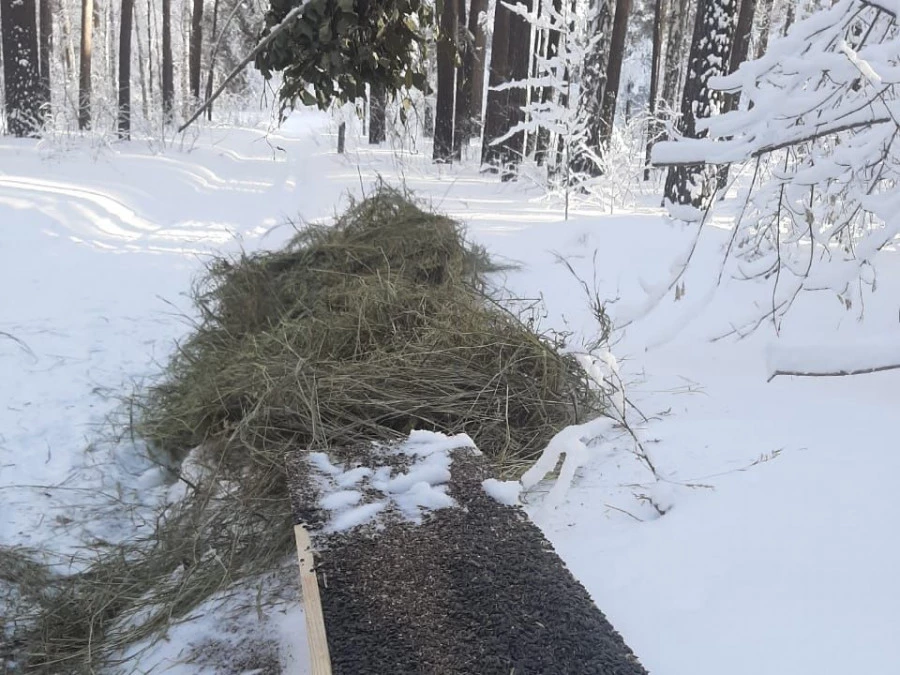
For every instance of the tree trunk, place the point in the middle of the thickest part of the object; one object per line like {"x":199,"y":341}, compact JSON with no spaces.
{"x":84,"y":80}
{"x":212,"y":57}
{"x":477,"y":68}
{"x":740,"y":46}
{"x":496,"y":112}
{"x":614,"y":70}
{"x":168,"y":67}
{"x":377,"y":115}
{"x":21,"y":73}
{"x":462,"y":116}
{"x":789,"y":15}
{"x":596,"y":67}
{"x":151,"y":21}
{"x":125,"y":69}
{"x":551,"y":49}
{"x":656,"y":58}
{"x":184,"y":70}
{"x":710,"y":52}
{"x":764,"y":18}
{"x":342,"y":137}
{"x":519,"y":60}
{"x":539,"y":47}
{"x":676,"y":23}
{"x":196,"y":48}
{"x":68,"y":43}
{"x":142,"y":64}
{"x":443,"y":107}
{"x":46,"y":47}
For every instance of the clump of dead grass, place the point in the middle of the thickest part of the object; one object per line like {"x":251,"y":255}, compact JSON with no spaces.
{"x":376,"y":325}
{"x":364,"y":330}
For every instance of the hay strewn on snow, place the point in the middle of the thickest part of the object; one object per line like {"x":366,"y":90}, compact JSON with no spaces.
{"x":371,"y":327}
{"x":360,"y":331}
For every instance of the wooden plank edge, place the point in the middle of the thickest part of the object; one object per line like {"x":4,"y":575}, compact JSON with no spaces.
{"x":319,"y":657}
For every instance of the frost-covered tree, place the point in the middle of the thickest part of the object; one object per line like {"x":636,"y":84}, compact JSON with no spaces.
{"x":817,"y":132}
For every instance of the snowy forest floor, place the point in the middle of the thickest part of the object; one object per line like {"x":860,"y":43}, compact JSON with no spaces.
{"x":775,"y":552}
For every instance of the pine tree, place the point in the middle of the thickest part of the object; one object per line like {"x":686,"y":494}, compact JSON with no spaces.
{"x":519,"y":59}
{"x":614,"y":70}
{"x":18,"y":24}
{"x":377,"y":114}
{"x":125,"y":32}
{"x":443,"y":109}
{"x":710,"y":51}
{"x":476,"y":56}
{"x":168,"y":67}
{"x":496,"y":111}
{"x":462,"y":114}
{"x":196,"y":47}
{"x":84,"y":78}
{"x":45,"y":46}
{"x":655,"y":68}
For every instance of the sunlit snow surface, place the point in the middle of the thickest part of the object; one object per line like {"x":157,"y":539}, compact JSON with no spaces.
{"x":776,"y":553}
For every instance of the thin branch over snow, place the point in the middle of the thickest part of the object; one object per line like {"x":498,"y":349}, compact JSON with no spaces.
{"x":833,"y":360}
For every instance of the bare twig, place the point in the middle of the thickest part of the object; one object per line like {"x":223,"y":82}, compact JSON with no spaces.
{"x":834,"y":373}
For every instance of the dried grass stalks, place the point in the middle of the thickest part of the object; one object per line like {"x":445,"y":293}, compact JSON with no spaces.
{"x":360,"y":331}
{"x":377,"y":325}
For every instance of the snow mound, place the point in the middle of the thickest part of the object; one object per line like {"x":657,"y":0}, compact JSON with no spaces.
{"x":504,"y":491}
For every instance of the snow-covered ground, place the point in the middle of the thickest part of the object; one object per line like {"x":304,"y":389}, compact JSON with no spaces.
{"x":775,"y":553}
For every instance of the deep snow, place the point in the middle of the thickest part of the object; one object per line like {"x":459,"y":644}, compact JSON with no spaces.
{"x":775,"y":553}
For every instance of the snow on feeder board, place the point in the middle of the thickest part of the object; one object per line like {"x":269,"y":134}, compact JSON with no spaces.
{"x":421,"y":570}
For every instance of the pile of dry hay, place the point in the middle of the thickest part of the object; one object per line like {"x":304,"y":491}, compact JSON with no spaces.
{"x":360,"y":331}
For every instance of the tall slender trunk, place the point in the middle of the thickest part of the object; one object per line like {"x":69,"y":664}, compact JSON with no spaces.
{"x":655,"y":62}
{"x":125,"y":69}
{"x":443,"y":107}
{"x":142,"y":64}
{"x":477,"y":56}
{"x":676,"y":23}
{"x":790,"y":13}
{"x":740,"y":47}
{"x":212,"y":56}
{"x":614,"y":70}
{"x":519,"y":61}
{"x":551,"y":49}
{"x":45,"y":47}
{"x":184,"y":71}
{"x":377,"y":114}
{"x":151,"y":22}
{"x":539,"y":46}
{"x":462,"y":115}
{"x":764,"y":21}
{"x":710,"y":52}
{"x":21,"y":71}
{"x":596,"y":68}
{"x":168,"y":68}
{"x":109,"y":35}
{"x":68,"y":42}
{"x":196,"y":48}
{"x":84,"y":80}
{"x":496,"y":112}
